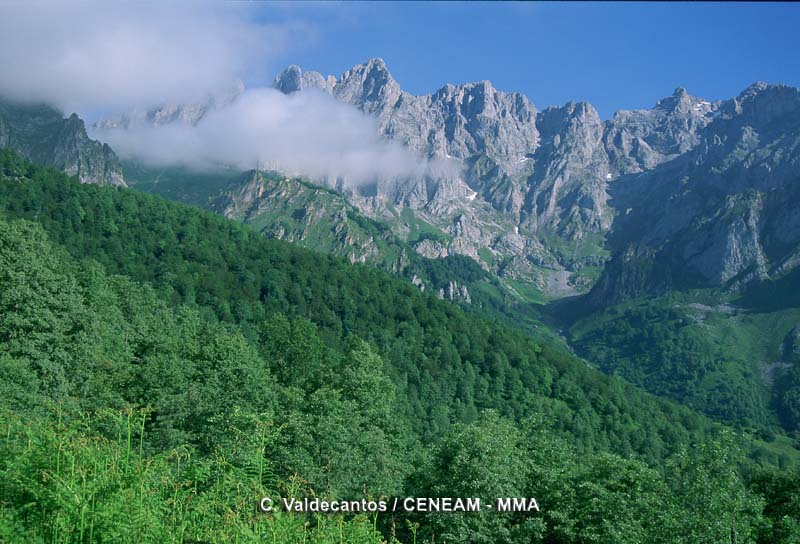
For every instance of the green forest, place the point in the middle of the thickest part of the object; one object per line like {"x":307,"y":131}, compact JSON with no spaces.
{"x":708,"y":355}
{"x":162,"y":369}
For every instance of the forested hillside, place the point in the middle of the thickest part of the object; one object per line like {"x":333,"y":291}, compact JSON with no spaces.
{"x":322,"y":219}
{"x":729,"y":356}
{"x":162,"y":369}
{"x":450,"y":363}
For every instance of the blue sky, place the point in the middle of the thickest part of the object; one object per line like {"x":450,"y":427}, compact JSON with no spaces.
{"x":101,"y":58}
{"x":614,"y":55}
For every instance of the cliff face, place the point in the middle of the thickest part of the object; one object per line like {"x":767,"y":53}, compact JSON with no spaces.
{"x":725,"y":213}
{"x":535,"y":186}
{"x":690,"y":192}
{"x":43,"y":135}
{"x":566,"y":193}
{"x":640,"y":140}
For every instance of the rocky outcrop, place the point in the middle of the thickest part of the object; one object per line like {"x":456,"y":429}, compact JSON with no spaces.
{"x":455,"y":293}
{"x":293,"y":79}
{"x":296,"y":211}
{"x":639,"y":140}
{"x":723,"y":213}
{"x":43,"y":135}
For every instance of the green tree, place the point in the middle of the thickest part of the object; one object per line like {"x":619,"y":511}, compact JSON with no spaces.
{"x":709,"y":489}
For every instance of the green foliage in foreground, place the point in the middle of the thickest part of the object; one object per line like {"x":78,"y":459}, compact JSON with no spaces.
{"x":63,"y":482}
{"x":90,"y":479}
{"x":131,"y":412}
{"x":699,"y":497}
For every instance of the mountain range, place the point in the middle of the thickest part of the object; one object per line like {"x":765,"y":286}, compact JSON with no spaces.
{"x":688,"y":184}
{"x":671,"y":197}
{"x":694,"y":199}
{"x":601,"y":314}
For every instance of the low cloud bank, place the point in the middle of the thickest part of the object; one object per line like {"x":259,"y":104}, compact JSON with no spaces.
{"x":91,"y":57}
{"x":307,"y":133}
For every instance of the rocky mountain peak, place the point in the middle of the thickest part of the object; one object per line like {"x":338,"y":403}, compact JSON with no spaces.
{"x":754,"y":89}
{"x":375,"y":64}
{"x":293,"y":79}
{"x":290,"y":80}
{"x":484,"y":86}
{"x":639,"y":140}
{"x":682,"y":103}
{"x":762,"y":103}
{"x":44,"y":135}
{"x":557,"y":120}
{"x":369,"y":86}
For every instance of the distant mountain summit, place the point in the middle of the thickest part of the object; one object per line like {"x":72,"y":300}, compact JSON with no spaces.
{"x":544,"y":180}
{"x":457,"y":121}
{"x":723,"y":213}
{"x":165,"y":114}
{"x":689,"y":193}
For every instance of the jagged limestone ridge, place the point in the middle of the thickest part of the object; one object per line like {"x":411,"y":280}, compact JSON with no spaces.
{"x":43,"y":135}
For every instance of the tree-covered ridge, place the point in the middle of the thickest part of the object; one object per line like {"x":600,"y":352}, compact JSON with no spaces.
{"x":322,"y":219}
{"x":131,"y":411}
{"x":734,"y":361}
{"x":450,"y":365}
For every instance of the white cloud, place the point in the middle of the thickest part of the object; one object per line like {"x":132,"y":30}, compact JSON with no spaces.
{"x":307,"y":133}
{"x":85,"y":56}
{"x":113,"y":57}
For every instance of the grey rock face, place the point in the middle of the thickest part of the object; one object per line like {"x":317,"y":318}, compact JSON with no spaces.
{"x":293,"y":79}
{"x":43,"y":135}
{"x":567,"y":190}
{"x":458,"y":121}
{"x":723,"y":213}
{"x":639,"y":140}
{"x":455,"y":293}
{"x":728,"y":244}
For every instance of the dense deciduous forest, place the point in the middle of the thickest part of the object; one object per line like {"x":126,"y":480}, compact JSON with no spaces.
{"x":713,"y":358}
{"x":162,"y":368}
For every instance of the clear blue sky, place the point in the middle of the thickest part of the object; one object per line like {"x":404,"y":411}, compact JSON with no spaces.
{"x":614,"y":55}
